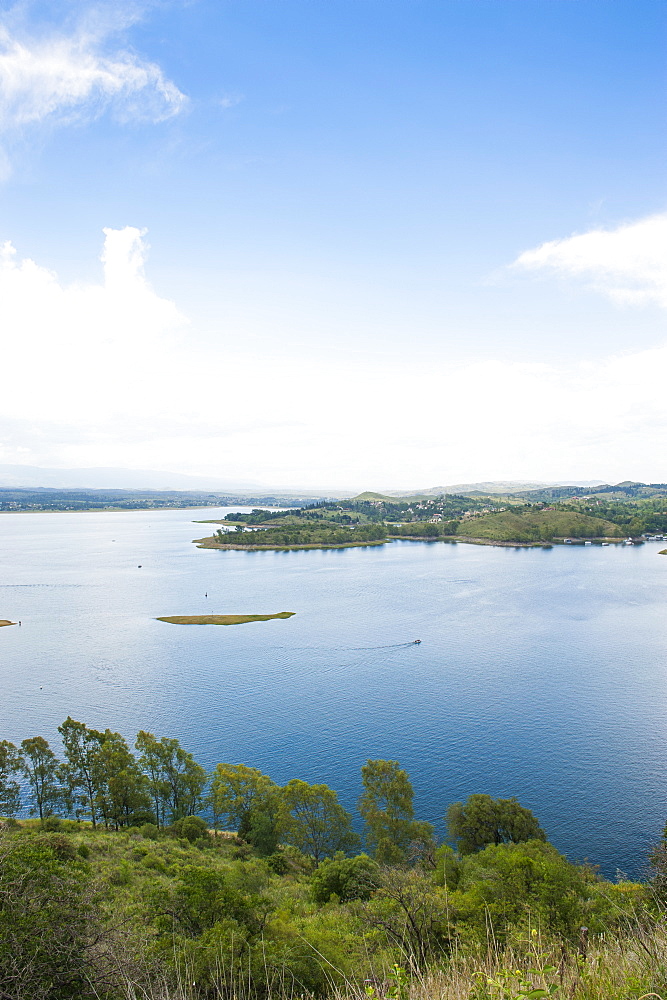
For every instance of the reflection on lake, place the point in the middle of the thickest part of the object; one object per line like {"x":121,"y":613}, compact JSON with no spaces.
{"x":541,"y":672}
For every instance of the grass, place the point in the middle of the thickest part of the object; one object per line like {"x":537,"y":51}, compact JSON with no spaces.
{"x":538,"y":526}
{"x":221,"y":619}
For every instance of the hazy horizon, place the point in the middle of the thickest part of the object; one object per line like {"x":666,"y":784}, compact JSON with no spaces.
{"x":96,"y":478}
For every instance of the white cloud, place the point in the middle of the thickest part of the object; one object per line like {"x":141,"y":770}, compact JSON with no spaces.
{"x":110,"y":373}
{"x":228,"y":101}
{"x":73,"y":76}
{"x":629,"y":264}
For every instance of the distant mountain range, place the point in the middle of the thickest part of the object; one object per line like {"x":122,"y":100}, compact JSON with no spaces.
{"x":510,"y":486}
{"x":34,"y":477}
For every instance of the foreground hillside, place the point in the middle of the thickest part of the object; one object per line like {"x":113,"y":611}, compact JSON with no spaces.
{"x":121,"y":889}
{"x":187,"y":914}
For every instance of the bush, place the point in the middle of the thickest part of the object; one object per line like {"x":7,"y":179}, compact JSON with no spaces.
{"x":52,"y":823}
{"x":149,"y":831}
{"x":48,"y":921}
{"x":344,"y":878}
{"x":190,"y":828}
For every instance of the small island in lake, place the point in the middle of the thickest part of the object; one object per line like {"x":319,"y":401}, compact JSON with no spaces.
{"x":221,"y":619}
{"x":5,"y":621}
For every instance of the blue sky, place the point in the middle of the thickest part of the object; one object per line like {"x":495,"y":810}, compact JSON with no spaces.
{"x":350,"y":243}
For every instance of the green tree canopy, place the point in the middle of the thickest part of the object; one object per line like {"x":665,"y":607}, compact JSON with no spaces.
{"x":386,"y":806}
{"x":121,"y":788}
{"x":11,"y":764}
{"x":315,"y":821}
{"x":481,"y":821}
{"x":237,"y":791}
{"x":82,"y":747}
{"x":41,"y":768}
{"x":175,"y":780}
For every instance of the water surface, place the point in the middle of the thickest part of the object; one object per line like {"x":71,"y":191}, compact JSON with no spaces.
{"x":541,"y":672}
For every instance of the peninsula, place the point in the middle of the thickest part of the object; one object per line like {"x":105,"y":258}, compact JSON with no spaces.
{"x":611,"y":514}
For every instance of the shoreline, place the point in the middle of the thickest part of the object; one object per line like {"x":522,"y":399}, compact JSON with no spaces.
{"x":201,"y":544}
{"x":125,"y":510}
{"x":204,"y":543}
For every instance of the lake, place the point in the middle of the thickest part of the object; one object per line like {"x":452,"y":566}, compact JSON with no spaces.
{"x":542,"y":673}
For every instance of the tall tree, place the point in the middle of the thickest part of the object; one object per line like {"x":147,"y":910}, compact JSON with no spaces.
{"x":122,"y":795}
{"x":481,"y":821}
{"x":315,"y":821}
{"x":239,"y":791}
{"x":11,"y":764}
{"x":388,"y":813}
{"x":151,"y":761}
{"x":175,"y":778}
{"x":42,"y":769}
{"x":82,"y":748}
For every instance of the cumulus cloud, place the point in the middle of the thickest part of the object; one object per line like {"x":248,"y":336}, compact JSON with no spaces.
{"x":111,"y":373}
{"x":628,"y":264}
{"x":66,"y":77}
{"x":83,"y":352}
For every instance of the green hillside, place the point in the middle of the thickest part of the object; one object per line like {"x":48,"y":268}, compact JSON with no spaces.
{"x":124,"y":891}
{"x":537,"y":526}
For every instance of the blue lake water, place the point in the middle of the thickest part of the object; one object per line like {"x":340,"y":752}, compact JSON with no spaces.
{"x":542,"y":673}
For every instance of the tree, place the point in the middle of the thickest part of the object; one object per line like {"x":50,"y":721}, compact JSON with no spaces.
{"x":82,"y":747}
{"x":237,"y":791}
{"x":11,"y":763}
{"x":315,"y":821}
{"x":121,"y":789}
{"x":41,"y":768}
{"x":481,"y":821}
{"x":176,"y":781}
{"x":386,"y":806}
{"x":413,"y":913}
{"x":261,"y":829}
{"x":151,"y":762}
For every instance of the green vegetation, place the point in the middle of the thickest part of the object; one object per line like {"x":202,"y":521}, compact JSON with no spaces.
{"x":296,"y":536}
{"x":538,"y":526}
{"x":482,"y":821}
{"x":522,"y":519}
{"x":122,"y":890}
{"x":48,"y":499}
{"x":222,"y":619}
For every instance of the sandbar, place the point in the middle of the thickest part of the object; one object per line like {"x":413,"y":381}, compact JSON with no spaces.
{"x":221,"y":619}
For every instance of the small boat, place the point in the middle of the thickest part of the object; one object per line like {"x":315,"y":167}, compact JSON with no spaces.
{"x":416,"y":642}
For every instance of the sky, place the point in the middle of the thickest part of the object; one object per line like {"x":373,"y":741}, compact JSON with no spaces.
{"x":351,"y":244}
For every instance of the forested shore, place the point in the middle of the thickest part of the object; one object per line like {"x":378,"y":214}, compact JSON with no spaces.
{"x":140,"y":875}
